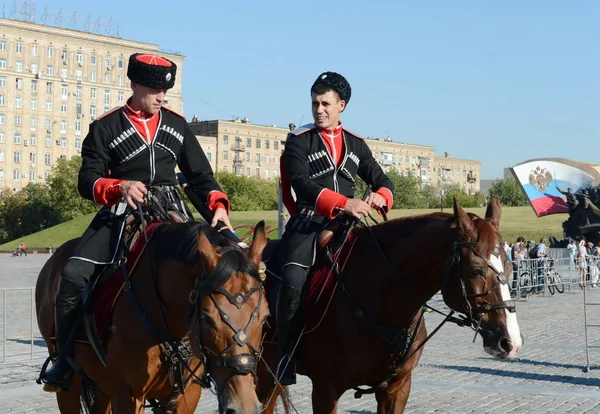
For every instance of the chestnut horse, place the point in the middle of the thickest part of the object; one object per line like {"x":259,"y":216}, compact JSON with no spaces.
{"x":188,"y":290}
{"x":372,"y":333}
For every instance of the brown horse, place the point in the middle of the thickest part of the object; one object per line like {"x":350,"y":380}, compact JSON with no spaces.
{"x":372,"y":333}
{"x":211,"y":299}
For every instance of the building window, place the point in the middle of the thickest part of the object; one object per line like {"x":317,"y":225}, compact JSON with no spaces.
{"x":34,"y":104}
{"x":2,"y":100}
{"x":276,"y":145}
{"x":249,"y":142}
{"x":78,"y":127}
{"x":107,"y":78}
{"x":49,"y":70}
{"x":1,"y":156}
{"x":2,"y":44}
{"x":64,"y":91}
{"x":258,"y":172}
{"x":2,"y":81}
{"x":257,"y":143}
{"x":209,"y":156}
{"x":121,"y":63}
{"x":1,"y":174}
{"x":49,"y":87}
{"x":93,"y":77}
{"x":50,"y":52}
{"x":17,"y":157}
{"x":19,"y":66}
{"x":17,"y":140}
{"x":106,"y":97}
{"x":48,"y":141}
{"x":78,"y":75}
{"x":2,"y":119}
{"x":63,"y":126}
{"x":33,"y":122}
{"x":78,"y":143}
{"x":34,"y":68}
{"x":16,"y":174}
{"x":248,"y":157}
{"x":18,"y":102}
{"x":19,"y":47}
{"x":93,"y":59}
{"x":121,"y":80}
{"x":33,"y":139}
{"x":80,"y":57}
{"x":64,"y":55}
{"x":107,"y":62}
{"x":225,"y":155}
{"x":266,"y":173}
{"x":266,"y":159}
{"x":47,"y":159}
{"x":225,"y":140}
{"x":79,"y":109}
{"x":63,"y":108}
{"x":275,"y":160}
{"x":78,"y":92}
{"x":257,"y":158}
{"x":63,"y":142}
{"x":34,"y":50}
{"x":32,"y":176}
{"x":93,"y":93}
{"x":267,"y":143}
{"x":1,"y":137}
{"x":224,"y":168}
{"x":92,"y":110}
{"x":2,"y":63}
{"x":17,"y":120}
{"x":49,"y":106}
{"x":121,"y":97}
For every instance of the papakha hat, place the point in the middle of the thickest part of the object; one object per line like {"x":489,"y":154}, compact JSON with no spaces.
{"x":151,"y":70}
{"x":336,"y":82}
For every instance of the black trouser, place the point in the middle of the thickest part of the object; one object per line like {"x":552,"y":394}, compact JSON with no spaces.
{"x":297,"y":255}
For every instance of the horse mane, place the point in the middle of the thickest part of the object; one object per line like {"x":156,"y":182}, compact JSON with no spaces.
{"x":410,"y":225}
{"x":179,"y":242}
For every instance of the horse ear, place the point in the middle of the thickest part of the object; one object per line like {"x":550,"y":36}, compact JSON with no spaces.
{"x":207,"y":253}
{"x":464,"y":222}
{"x":259,"y":241}
{"x":493,"y":212}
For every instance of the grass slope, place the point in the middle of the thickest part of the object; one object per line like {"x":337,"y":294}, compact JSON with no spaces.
{"x":515,"y":222}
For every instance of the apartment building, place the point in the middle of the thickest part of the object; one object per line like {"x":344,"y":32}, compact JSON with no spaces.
{"x":247,"y":149}
{"x":53,"y":83}
{"x":242,"y":147}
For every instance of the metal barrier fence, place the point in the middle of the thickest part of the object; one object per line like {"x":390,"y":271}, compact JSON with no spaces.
{"x":21,"y":339}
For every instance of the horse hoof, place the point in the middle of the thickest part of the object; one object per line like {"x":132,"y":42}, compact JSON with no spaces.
{"x":51,"y":388}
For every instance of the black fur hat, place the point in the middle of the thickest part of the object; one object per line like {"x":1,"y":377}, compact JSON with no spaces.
{"x":336,"y":82}
{"x":152,"y":71}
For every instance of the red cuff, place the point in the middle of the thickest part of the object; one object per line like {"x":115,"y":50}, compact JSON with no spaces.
{"x":329,"y":203}
{"x":217,"y":199}
{"x":107,"y":191}
{"x":389,"y":197}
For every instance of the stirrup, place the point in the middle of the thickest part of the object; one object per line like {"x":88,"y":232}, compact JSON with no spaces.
{"x":286,"y":371}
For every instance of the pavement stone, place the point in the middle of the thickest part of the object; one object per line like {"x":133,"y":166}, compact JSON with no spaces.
{"x":454,"y":374}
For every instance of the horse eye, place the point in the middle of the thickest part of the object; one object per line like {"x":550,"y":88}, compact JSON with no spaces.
{"x":477,"y":271}
{"x":206,"y":319}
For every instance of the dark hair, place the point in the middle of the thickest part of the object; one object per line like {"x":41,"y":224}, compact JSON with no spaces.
{"x":521,"y":239}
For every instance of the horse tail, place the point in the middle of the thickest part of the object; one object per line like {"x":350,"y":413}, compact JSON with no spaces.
{"x":89,"y":391}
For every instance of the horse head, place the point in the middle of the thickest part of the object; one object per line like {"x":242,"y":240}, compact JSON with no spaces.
{"x":232,"y":309}
{"x":477,"y":281}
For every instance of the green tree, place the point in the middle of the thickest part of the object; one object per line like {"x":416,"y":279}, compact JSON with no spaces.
{"x":64,"y":194}
{"x":39,"y":211}
{"x":509,"y":192}
{"x":249,"y":193}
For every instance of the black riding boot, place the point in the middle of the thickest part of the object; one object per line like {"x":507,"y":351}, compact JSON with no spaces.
{"x":288,"y":303}
{"x":68,"y":307}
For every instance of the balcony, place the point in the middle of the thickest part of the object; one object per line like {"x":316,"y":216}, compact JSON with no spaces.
{"x":237,"y":162}
{"x":471,"y":179}
{"x":238,"y":148}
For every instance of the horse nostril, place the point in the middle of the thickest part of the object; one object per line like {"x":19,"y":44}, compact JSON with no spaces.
{"x":505,"y":345}
{"x":230,"y":411}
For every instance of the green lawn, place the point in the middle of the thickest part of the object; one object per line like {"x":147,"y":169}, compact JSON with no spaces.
{"x":515,"y":222}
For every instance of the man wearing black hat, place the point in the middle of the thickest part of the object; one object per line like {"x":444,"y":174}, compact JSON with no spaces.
{"x":126,"y":150}
{"x":320,"y":164}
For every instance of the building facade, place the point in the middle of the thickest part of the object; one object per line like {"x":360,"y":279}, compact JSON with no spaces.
{"x":242,"y":147}
{"x":247,"y":149}
{"x":53,"y":83}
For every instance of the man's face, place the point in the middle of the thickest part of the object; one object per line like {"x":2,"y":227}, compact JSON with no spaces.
{"x":326,"y":109}
{"x":147,"y":99}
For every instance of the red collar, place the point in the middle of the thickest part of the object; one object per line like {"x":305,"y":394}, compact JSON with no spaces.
{"x":336,"y":132}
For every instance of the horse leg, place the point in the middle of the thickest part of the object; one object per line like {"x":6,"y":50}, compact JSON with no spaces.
{"x":69,"y":400}
{"x":324,"y":398}
{"x":393,"y":399}
{"x":188,"y":401}
{"x":125,"y":403}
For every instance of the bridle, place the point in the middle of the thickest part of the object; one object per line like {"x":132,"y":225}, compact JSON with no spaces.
{"x":454,"y":269}
{"x":239,"y":364}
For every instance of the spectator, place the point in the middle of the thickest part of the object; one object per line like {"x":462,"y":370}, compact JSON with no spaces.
{"x":572,"y":250}
{"x":593,"y":261}
{"x":517,"y":253}
{"x":541,"y":254}
{"x":23,"y":248}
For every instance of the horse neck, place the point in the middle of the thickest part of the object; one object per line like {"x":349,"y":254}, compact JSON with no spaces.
{"x":417,"y":250}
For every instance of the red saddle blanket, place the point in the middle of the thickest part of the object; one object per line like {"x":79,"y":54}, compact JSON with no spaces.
{"x":105,"y":295}
{"x":318,"y":292}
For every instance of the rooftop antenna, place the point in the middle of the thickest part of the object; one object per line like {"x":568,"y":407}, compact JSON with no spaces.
{"x":73,"y":23}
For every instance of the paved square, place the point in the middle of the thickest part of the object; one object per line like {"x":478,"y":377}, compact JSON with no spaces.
{"x":454,"y":375}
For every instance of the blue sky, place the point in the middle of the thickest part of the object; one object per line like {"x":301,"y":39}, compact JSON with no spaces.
{"x":500,"y":82}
